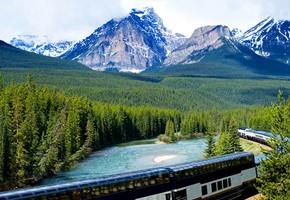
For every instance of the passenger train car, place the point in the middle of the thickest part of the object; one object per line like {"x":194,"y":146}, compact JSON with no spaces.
{"x":222,"y":177}
{"x":258,"y":136}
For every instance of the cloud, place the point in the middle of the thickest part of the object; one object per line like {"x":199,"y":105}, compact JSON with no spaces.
{"x":76,"y":19}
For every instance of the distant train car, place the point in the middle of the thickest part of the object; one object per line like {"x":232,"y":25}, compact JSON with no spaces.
{"x":258,"y":136}
{"x":222,"y":177}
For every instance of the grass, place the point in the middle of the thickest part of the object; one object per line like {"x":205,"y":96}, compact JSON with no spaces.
{"x":251,"y":146}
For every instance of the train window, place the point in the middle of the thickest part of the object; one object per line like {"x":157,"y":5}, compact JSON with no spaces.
{"x":76,"y":194}
{"x":104,"y":190}
{"x":204,"y":190}
{"x":167,"y":179}
{"x":137,"y":183}
{"x":130,"y":185}
{"x":122,"y":186}
{"x":159,"y":179}
{"x":113,"y":188}
{"x":152,"y":181}
{"x":230,"y":182}
{"x":145,"y":182}
{"x":225,"y":183}
{"x":192,"y":172}
{"x":220,"y":185}
{"x":86,"y":193}
{"x":213,"y":187}
{"x":95,"y":191}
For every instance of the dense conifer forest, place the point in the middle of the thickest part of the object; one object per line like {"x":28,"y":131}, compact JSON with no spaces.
{"x":43,"y":130}
{"x":63,"y":111}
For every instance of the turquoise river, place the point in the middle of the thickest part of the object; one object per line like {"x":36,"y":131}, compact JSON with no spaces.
{"x":128,"y":157}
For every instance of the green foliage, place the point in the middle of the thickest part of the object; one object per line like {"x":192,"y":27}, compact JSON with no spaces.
{"x":223,"y":145}
{"x":210,"y":150}
{"x":11,"y":57}
{"x":232,"y":60}
{"x":43,"y":131}
{"x":274,"y":182}
{"x":196,"y":93}
{"x":170,"y":131}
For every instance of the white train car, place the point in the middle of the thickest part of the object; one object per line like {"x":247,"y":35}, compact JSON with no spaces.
{"x":258,"y":136}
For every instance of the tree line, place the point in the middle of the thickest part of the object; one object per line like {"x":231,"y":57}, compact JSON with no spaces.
{"x":43,"y":131}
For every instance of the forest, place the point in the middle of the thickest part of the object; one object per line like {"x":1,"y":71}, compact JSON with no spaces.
{"x":43,"y":130}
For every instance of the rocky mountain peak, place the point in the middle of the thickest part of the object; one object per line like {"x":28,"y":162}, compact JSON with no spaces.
{"x":270,"y":38}
{"x":236,"y":33}
{"x":203,"y":39}
{"x":132,"y":43}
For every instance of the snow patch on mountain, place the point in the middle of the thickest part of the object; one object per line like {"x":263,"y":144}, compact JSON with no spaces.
{"x":269,"y":38}
{"x":41,"y":45}
{"x":133,"y":43}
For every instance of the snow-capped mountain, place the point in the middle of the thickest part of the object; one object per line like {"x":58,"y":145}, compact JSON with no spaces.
{"x":133,"y":43}
{"x":270,"y":38}
{"x":41,"y":45}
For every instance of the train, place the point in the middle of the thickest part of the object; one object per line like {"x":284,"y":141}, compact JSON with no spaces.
{"x":222,"y":177}
{"x":255,"y":135}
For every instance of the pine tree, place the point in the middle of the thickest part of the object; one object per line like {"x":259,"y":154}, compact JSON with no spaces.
{"x":223,"y":145}
{"x":234,"y":136}
{"x":274,"y":179}
{"x":170,"y":130}
{"x":210,"y":146}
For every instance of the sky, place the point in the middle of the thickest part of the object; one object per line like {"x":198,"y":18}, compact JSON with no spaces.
{"x":77,"y":19}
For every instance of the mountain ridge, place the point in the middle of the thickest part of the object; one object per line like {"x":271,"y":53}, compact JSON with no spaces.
{"x":132,"y":43}
{"x":41,"y":45}
{"x":140,"y":41}
{"x":12,"y":57}
{"x":269,"y":38}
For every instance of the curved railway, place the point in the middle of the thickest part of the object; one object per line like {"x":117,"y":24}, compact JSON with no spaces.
{"x":223,"y":177}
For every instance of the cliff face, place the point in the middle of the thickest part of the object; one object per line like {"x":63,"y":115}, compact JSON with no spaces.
{"x":203,"y":40}
{"x":133,"y":43}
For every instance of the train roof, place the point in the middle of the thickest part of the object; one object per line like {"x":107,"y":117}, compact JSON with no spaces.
{"x":217,"y":159}
{"x":104,"y":180}
{"x":257,"y":132}
{"x":111,"y":179}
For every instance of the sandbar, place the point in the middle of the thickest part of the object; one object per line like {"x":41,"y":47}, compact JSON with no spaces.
{"x":159,"y":159}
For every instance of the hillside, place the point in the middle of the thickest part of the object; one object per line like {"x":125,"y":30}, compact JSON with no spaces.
{"x":201,"y":86}
{"x":11,"y":57}
{"x":232,"y":60}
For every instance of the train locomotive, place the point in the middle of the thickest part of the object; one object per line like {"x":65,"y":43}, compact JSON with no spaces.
{"x":221,"y":177}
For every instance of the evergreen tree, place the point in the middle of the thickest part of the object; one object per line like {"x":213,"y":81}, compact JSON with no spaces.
{"x":223,"y":145}
{"x":234,"y":136}
{"x":274,"y":179}
{"x":210,"y":146}
{"x":170,"y":130}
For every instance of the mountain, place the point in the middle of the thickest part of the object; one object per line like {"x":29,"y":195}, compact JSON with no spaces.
{"x":202,"y":41}
{"x":12,"y":57}
{"x":269,"y":38}
{"x":236,"y":32}
{"x":229,"y":60}
{"x":41,"y":45}
{"x":133,"y":43}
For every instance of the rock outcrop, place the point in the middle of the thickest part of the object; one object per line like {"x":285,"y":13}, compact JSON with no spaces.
{"x":203,"y":40}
